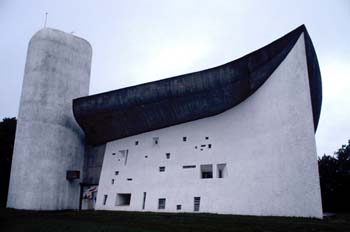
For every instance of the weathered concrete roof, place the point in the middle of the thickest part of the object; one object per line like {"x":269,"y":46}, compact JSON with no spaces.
{"x":146,"y":107}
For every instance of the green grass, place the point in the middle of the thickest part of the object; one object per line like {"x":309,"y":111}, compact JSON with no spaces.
{"x":19,"y":220}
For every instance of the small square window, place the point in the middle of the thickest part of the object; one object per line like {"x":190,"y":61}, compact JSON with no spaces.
{"x":162,"y":169}
{"x":136,"y":143}
{"x":161,"y":203}
{"x":116,"y":173}
{"x":206,"y":138}
{"x":155,"y":140}
{"x":184,"y":139}
{"x":146,"y":156}
{"x":113,"y":153}
{"x":178,"y":207}
{"x":167,"y":155}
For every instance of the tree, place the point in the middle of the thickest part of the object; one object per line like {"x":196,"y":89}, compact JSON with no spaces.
{"x":335,"y":180}
{"x":7,"y":139}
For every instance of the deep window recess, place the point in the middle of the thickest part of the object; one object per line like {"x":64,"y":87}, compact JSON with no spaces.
{"x":155,"y":140}
{"x":178,"y":207}
{"x":161,"y":203}
{"x":116,"y":173}
{"x":206,"y":171}
{"x":136,"y":143}
{"x":123,"y":199}
{"x":162,"y":169}
{"x":129,"y":179}
{"x":197,"y":202}
{"x":167,"y":155}
{"x":222,"y":172}
{"x":105,"y":199}
{"x":189,"y":166}
{"x":184,"y":139}
{"x":144,"y":200}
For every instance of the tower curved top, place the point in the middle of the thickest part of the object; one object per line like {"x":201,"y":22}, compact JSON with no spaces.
{"x":129,"y":111}
{"x":48,"y":33}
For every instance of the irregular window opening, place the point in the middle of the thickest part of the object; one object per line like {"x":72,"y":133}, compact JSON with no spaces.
{"x":161,"y":203}
{"x":184,"y":139}
{"x":105,"y":199}
{"x":197,"y":202}
{"x":221,"y":170}
{"x":189,"y":166}
{"x":144,"y":200}
{"x":206,"y":171}
{"x":178,"y":207}
{"x":123,"y":199}
{"x":155,"y":140}
{"x":162,"y":169}
{"x":167,"y":155}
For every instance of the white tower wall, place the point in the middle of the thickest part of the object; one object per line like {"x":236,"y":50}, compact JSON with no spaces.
{"x":48,"y":140}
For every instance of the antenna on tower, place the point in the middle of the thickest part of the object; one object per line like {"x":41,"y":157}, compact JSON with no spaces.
{"x":45,"y":19}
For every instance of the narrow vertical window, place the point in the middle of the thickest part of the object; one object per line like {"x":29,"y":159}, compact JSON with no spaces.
{"x":136,"y":143}
{"x":184,"y":139}
{"x":105,"y":199}
{"x":167,"y":155}
{"x":112,"y":181}
{"x":144,"y":200}
{"x":197,"y":202}
{"x":155,"y":140}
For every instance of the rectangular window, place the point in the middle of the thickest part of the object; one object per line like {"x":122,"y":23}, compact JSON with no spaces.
{"x":167,"y":155}
{"x":206,"y":138}
{"x":162,"y":169}
{"x":206,"y":171}
{"x":184,"y":139}
{"x":144,"y":200}
{"x":123,"y":199}
{"x":209,"y":146}
{"x":189,"y":166}
{"x":178,"y":207}
{"x":161,"y":203}
{"x":129,"y":179}
{"x":136,"y":143}
{"x":116,"y":173}
{"x":105,"y":199}
{"x":221,"y":170}
{"x":155,"y":140}
{"x":113,"y":153}
{"x":112,"y":181}
{"x":197,"y":202}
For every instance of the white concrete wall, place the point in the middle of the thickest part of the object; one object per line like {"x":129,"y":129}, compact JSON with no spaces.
{"x":48,"y":140}
{"x":267,"y":143}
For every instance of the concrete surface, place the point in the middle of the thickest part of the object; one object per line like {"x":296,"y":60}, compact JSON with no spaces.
{"x":48,"y":140}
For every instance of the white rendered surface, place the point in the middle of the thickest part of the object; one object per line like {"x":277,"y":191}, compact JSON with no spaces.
{"x":48,"y":140}
{"x":267,"y":143}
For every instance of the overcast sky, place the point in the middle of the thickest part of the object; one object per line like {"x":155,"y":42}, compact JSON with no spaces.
{"x":145,"y":40}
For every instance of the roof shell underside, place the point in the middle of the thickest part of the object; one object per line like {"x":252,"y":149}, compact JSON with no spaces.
{"x":129,"y":111}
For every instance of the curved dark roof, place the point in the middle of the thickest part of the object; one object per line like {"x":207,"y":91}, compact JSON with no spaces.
{"x":146,"y":107}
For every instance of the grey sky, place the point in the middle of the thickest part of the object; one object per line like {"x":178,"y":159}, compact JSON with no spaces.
{"x":141,"y":41}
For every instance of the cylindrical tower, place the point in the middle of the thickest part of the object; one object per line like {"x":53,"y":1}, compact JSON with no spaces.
{"x":48,"y":141}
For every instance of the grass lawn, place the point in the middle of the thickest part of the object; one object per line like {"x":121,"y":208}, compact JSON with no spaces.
{"x":18,"y":220}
